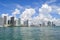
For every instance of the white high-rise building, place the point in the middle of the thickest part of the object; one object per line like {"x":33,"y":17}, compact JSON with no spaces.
{"x":16,"y":22}
{"x":19,"y":22}
{"x":1,"y":22}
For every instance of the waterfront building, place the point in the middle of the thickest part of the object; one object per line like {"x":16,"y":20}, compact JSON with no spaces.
{"x":16,"y":22}
{"x":19,"y":21}
{"x":26,"y":23}
{"x":1,"y":22}
{"x":5,"y":20}
{"x":12,"y":21}
{"x":43,"y":24}
{"x":9,"y":22}
{"x":49,"y":23}
{"x":40,"y":25}
{"x":53,"y":24}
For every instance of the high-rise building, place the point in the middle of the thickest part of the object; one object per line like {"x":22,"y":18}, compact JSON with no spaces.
{"x":1,"y":22}
{"x":9,"y":22}
{"x":43,"y":24}
{"x":49,"y":23}
{"x":16,"y":22}
{"x":53,"y":24}
{"x":19,"y":21}
{"x":40,"y":25}
{"x":12,"y":21}
{"x":26,"y":23}
{"x":5,"y":21}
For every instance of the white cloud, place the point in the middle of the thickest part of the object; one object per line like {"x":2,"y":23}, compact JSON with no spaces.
{"x":19,"y":6}
{"x":27,"y":13}
{"x":50,"y":1}
{"x":44,"y":14}
{"x":45,"y":9}
{"x":58,"y":10}
{"x":4,"y":15}
{"x":16,"y":11}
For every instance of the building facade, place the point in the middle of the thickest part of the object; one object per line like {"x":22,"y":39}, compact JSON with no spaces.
{"x":12,"y":21}
{"x":5,"y":21}
{"x":26,"y":23}
{"x":1,"y":22}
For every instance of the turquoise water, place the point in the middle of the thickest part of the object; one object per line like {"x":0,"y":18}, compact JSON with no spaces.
{"x":30,"y":33}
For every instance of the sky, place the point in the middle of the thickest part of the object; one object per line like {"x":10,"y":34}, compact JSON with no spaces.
{"x":35,"y":10}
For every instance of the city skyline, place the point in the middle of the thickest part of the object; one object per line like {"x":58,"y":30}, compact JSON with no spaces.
{"x":4,"y":22}
{"x":35,"y":10}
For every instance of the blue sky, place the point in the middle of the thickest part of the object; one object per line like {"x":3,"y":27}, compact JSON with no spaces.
{"x":8,"y":6}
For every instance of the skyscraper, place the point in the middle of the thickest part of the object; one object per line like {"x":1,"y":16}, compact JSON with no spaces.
{"x":5,"y":21}
{"x":53,"y":24}
{"x":19,"y":21}
{"x":1,"y":22}
{"x":26,"y":23}
{"x":12,"y":21}
{"x":16,"y":22}
{"x":9,"y":21}
{"x":49,"y":23}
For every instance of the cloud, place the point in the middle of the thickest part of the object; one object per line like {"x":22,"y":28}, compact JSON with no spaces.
{"x":19,"y":6}
{"x":50,"y":1}
{"x":58,"y":10}
{"x":44,"y":11}
{"x":16,"y":11}
{"x":4,"y":15}
{"x":27,"y":13}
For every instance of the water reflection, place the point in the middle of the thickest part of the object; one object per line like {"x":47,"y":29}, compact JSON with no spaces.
{"x":30,"y":33}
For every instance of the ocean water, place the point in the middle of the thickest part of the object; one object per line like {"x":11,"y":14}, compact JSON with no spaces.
{"x":30,"y":33}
